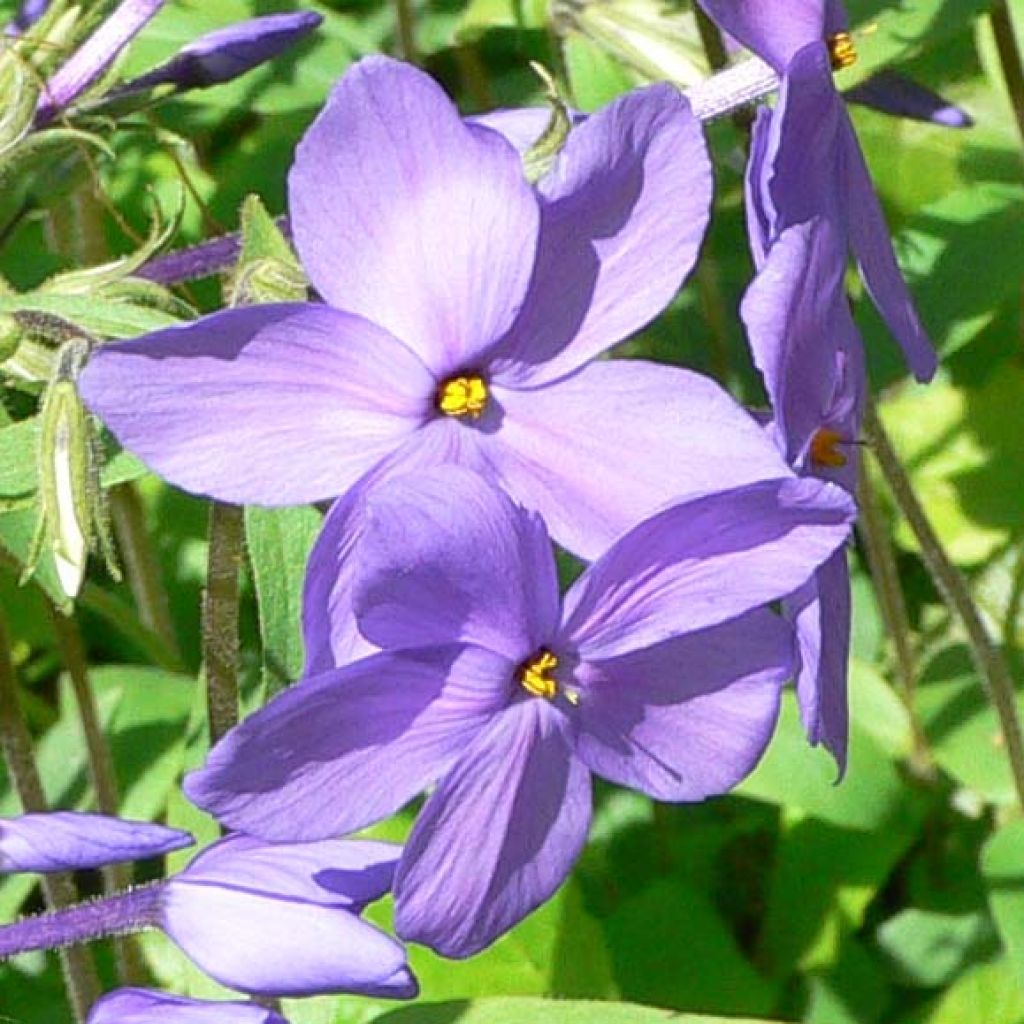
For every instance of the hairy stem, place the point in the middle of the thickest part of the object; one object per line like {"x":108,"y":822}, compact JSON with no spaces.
{"x":988,"y":660}
{"x":58,"y":890}
{"x":140,"y":563}
{"x":130,"y":967}
{"x":1009,"y":59}
{"x":220,"y":617}
{"x":885,"y":575}
{"x":119,"y":914}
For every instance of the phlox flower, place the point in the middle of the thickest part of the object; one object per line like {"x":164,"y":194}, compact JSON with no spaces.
{"x":660,"y":671}
{"x":805,"y":160}
{"x":72,"y":841}
{"x":810,"y":355}
{"x":261,"y":918}
{"x":144,"y":1006}
{"x":464,"y":312}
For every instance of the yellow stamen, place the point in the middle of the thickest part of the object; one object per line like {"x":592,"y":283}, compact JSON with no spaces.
{"x":842,"y":50}
{"x":463,"y":396}
{"x":536,"y":675}
{"x":825,"y":449}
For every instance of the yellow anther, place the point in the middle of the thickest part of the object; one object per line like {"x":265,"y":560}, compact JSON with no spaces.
{"x":842,"y":50}
{"x":825,"y":449}
{"x":463,"y":396}
{"x":536,"y":675}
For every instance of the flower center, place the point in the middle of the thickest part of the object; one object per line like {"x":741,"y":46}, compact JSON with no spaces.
{"x":825,"y":448}
{"x":535,"y":676}
{"x":841,"y":50}
{"x":463,"y":396}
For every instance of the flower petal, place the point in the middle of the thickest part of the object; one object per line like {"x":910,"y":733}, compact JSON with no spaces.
{"x":144,"y":1006}
{"x":406,"y":215}
{"x":599,"y":451}
{"x":498,"y":836}
{"x":872,"y":247}
{"x":704,"y":562}
{"x":263,"y":938}
{"x":347,"y":873}
{"x":772,"y":30}
{"x":894,"y":94}
{"x":688,"y":718}
{"x":330,"y":631}
{"x":269,"y":405}
{"x":447,"y":557}
{"x":625,"y":209}
{"x":797,"y":315}
{"x":69,"y":841}
{"x":351,"y":746}
{"x":821,"y":612}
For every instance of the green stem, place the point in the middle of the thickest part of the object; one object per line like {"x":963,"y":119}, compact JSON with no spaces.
{"x":1009,"y":59}
{"x":140,"y":564}
{"x":58,"y":889}
{"x":988,"y":660}
{"x":220,"y":617}
{"x":131,"y":969}
{"x":406,"y":26}
{"x":884,"y":572}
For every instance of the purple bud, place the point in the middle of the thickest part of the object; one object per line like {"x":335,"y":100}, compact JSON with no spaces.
{"x":28,"y":14}
{"x":895,"y":94}
{"x":68,"y":841}
{"x":143,"y":1006}
{"x":226,"y":53}
{"x":94,"y":56}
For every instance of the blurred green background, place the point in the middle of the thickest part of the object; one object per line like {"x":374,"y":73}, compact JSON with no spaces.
{"x":893,"y":897}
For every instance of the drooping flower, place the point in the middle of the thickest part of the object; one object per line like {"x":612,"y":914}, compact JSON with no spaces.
{"x":278,"y":920}
{"x":71,"y":841}
{"x":661,"y":672}
{"x":144,"y":1006}
{"x":805,"y":159}
{"x":810,"y":355}
{"x":467,"y":309}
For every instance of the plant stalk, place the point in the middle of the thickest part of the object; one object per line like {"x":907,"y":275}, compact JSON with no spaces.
{"x":991,"y":666}
{"x":1009,"y":59}
{"x":130,"y":967}
{"x":220,"y":617}
{"x":59,"y":889}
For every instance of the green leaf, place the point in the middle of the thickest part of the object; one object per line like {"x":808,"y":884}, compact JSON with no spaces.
{"x":927,"y":949}
{"x":541,"y":1011}
{"x":1002,"y":866}
{"x":103,"y":318}
{"x":279,"y":541}
{"x":267,"y":269}
{"x":595,"y":78}
{"x":18,"y":459}
{"x":989,"y":994}
{"x":17,"y":530}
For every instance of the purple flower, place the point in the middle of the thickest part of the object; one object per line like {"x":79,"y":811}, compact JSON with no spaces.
{"x":69,"y":841}
{"x":228,"y":52}
{"x":28,"y":14}
{"x":660,"y":672}
{"x":284,"y":919}
{"x":94,"y":56}
{"x":810,"y":355}
{"x":143,"y":1006}
{"x":805,"y":159}
{"x":261,"y":918}
{"x":468,"y":309}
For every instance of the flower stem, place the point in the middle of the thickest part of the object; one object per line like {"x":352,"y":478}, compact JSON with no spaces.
{"x":406,"y":25}
{"x":120,"y":914}
{"x":988,"y":660}
{"x":885,"y":574}
{"x":220,"y":617}
{"x":140,"y":563}
{"x":58,"y":890}
{"x":1009,"y":59}
{"x":130,"y":968}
